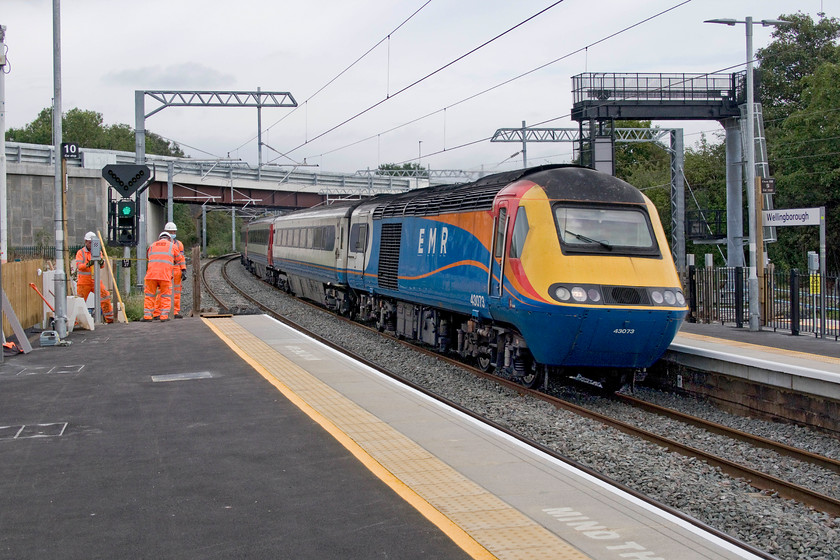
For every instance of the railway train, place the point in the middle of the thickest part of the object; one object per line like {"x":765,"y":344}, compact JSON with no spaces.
{"x":551,"y":270}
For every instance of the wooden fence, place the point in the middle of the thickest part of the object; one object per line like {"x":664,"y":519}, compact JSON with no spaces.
{"x":27,"y":305}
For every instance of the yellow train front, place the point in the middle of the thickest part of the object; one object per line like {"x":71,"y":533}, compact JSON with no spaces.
{"x":582,"y":269}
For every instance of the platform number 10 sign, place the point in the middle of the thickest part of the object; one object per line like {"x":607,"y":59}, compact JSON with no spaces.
{"x":70,"y":150}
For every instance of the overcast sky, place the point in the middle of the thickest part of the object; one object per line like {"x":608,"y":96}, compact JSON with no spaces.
{"x":110,"y":48}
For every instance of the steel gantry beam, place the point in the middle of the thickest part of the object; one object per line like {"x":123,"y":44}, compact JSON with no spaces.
{"x":418,"y":173}
{"x":220,"y":99}
{"x":573,"y":135}
{"x":535,"y":135}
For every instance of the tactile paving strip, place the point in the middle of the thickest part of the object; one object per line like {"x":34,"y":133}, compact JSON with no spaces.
{"x":498,"y":530}
{"x":767,"y":349}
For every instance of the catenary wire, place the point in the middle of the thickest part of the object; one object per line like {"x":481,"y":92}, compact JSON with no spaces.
{"x":337,"y":76}
{"x":503,"y":83}
{"x":427,"y":76}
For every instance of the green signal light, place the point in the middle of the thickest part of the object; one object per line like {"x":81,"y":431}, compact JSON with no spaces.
{"x":126,"y":209}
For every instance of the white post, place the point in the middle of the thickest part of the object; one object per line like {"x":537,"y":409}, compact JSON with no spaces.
{"x":60,"y":277}
{"x":752,"y":282}
{"x":4,"y":213}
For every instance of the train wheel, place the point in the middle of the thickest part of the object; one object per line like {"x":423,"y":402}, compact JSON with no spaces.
{"x":484,"y":361}
{"x":534,"y":376}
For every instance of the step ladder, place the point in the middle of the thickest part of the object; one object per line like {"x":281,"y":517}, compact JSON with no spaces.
{"x":762,"y":167}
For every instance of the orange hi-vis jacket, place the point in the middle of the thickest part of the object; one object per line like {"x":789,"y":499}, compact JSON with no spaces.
{"x":161,"y":260}
{"x":180,"y":259}
{"x":84,"y":273}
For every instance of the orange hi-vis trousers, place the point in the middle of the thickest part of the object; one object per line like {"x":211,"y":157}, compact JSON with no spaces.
{"x":83,"y":290}
{"x":158,"y":299}
{"x":176,"y":281}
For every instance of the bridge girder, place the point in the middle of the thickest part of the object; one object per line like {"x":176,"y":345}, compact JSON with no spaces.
{"x":236,"y":196}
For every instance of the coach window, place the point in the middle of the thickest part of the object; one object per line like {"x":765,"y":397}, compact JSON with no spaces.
{"x":358,"y":238}
{"x":296,"y":237}
{"x":500,"y":233}
{"x":329,"y":238}
{"x":520,"y":232}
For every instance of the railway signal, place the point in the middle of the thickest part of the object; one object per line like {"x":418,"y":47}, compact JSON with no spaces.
{"x":126,"y":178}
{"x":122,"y":223}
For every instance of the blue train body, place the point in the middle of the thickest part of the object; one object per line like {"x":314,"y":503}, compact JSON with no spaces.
{"x":545,"y":270}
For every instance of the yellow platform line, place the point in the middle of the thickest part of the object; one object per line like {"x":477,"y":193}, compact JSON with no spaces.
{"x":478,"y":522}
{"x":758,"y":347}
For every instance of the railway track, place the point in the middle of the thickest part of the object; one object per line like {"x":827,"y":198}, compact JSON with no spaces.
{"x":761,"y":480}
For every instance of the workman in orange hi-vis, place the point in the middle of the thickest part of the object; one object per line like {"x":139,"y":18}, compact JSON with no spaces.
{"x":180,"y":268}
{"x":160,"y":257}
{"x":84,"y":278}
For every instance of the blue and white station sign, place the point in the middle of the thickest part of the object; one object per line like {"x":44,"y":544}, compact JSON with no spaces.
{"x":793,"y":217}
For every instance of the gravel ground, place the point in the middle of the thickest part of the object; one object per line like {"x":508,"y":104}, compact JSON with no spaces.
{"x":781,"y":527}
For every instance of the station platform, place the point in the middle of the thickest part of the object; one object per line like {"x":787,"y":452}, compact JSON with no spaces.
{"x":803,"y":343}
{"x":238,"y":437}
{"x":157,"y":441}
{"x":802,"y":364}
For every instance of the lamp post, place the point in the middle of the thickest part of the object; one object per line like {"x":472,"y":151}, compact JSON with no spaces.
{"x":752,"y":282}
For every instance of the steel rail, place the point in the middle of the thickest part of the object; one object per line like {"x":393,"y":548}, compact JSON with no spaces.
{"x":206,"y":284}
{"x":720,"y":429}
{"x":522,"y":390}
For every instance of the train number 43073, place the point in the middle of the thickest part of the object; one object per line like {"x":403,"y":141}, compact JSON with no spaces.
{"x":624,"y":331}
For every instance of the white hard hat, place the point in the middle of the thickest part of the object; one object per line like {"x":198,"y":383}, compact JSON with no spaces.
{"x":164,"y":234}
{"x":90,"y":236}
{"x":170,"y":226}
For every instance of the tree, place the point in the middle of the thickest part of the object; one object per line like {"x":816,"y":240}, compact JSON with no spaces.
{"x":406,"y":169}
{"x":87,"y":129}
{"x":807,"y":167}
{"x":646,"y":166}
{"x":797,"y":50}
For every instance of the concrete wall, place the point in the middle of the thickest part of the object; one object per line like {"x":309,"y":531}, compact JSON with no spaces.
{"x":31,"y":204}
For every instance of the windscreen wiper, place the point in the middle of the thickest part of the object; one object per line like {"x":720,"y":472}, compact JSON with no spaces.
{"x":590,"y":240}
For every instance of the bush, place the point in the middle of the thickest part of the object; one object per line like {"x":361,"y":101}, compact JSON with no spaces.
{"x":134,"y":306}
{"x":219,"y":249}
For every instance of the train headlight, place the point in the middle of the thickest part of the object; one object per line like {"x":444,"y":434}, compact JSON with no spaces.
{"x":583,"y":293}
{"x":562,"y":293}
{"x":672,"y":297}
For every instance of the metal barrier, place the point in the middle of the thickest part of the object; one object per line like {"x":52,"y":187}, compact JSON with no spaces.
{"x":32,"y":252}
{"x":718,"y":295}
{"x":791,"y":300}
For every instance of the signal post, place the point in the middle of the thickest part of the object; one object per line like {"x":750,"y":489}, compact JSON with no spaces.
{"x":126,"y":180}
